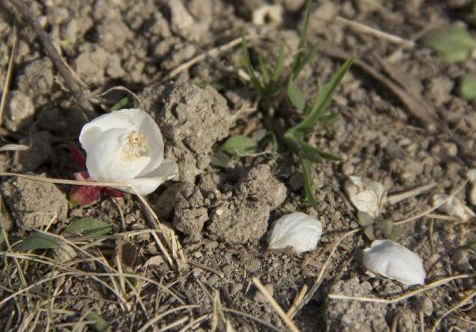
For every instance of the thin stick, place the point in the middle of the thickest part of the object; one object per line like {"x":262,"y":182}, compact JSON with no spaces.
{"x":214,"y":52}
{"x":8,"y":78}
{"x":258,"y":320}
{"x":319,"y":278}
{"x":396,"y":198}
{"x":403,"y":296}
{"x":375,"y":32}
{"x":79,"y":93}
{"x":165,"y":313}
{"x":456,"y":307}
{"x":297,"y":300}
{"x":433,"y":208}
{"x":275,"y":306}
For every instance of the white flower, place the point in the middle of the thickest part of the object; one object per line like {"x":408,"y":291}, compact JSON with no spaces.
{"x":367,"y":196}
{"x":394,"y":261}
{"x":453,"y":207}
{"x":126,"y":146}
{"x":296,"y":230}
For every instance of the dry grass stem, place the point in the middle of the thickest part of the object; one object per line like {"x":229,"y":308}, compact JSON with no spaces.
{"x":320,"y":276}
{"x":290,"y":324}
{"x":297,"y":300}
{"x":396,"y":198}
{"x":359,"y":27}
{"x":433,"y":208}
{"x":461,"y":303}
{"x":403,"y":296}
{"x":214,"y":52}
{"x":8,"y":78}
{"x":165,"y":313}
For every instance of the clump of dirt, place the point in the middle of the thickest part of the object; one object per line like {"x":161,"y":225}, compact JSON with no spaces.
{"x":243,"y":214}
{"x":34,"y":204}
{"x":192,"y":120}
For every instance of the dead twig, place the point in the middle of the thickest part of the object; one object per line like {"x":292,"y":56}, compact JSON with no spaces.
{"x":396,"y":198}
{"x":403,"y":296}
{"x":290,"y":324}
{"x":320,"y":276}
{"x":80,"y":93}
{"x":375,"y":32}
{"x":8,"y":78}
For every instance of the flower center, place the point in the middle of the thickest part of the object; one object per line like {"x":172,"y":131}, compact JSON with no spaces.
{"x":136,"y":145}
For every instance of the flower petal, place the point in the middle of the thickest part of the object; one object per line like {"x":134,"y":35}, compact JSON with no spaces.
{"x":105,"y":162}
{"x":126,"y":119}
{"x":394,"y":261}
{"x":168,"y":170}
{"x":366,"y":195}
{"x":297,"y":230}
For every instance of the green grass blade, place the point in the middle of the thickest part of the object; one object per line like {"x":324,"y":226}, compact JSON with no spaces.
{"x":314,"y":154}
{"x":323,"y":98}
{"x":248,"y":66}
{"x":296,"y":96}
{"x":298,"y":66}
{"x":278,"y":69}
{"x":265,"y":72}
{"x":309,"y":194}
{"x":305,"y":25}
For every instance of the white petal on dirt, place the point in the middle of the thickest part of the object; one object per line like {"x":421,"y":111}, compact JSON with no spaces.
{"x":268,"y":13}
{"x":366,"y":195}
{"x":454,"y":207}
{"x":296,"y":230}
{"x":394,"y":261}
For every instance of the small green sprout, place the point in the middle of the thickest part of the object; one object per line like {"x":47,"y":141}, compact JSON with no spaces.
{"x":277,"y":87}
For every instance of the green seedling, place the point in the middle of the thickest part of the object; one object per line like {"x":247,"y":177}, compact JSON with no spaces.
{"x":452,"y":43}
{"x":37,"y":241}
{"x":87,"y":227}
{"x":277,"y":88}
{"x":467,"y":87}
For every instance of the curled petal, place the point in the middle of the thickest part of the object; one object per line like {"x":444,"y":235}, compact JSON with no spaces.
{"x":168,"y":170}
{"x":367,"y":196}
{"x":296,"y":230}
{"x":394,"y":261}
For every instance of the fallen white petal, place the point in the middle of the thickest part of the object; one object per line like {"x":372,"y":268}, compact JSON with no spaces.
{"x":367,"y":196}
{"x":394,"y":261}
{"x":168,"y":170}
{"x":296,"y":230}
{"x":453,"y":207}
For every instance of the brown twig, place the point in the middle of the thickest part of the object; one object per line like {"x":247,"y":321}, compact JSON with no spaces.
{"x":287,"y":320}
{"x":80,"y":93}
{"x":8,"y":78}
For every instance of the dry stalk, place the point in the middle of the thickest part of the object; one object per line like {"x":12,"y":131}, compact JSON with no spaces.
{"x":157,"y":318}
{"x":79,"y":92}
{"x":8,"y":78}
{"x":290,"y":324}
{"x":403,"y":296}
{"x":454,"y":308}
{"x":360,"y":27}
